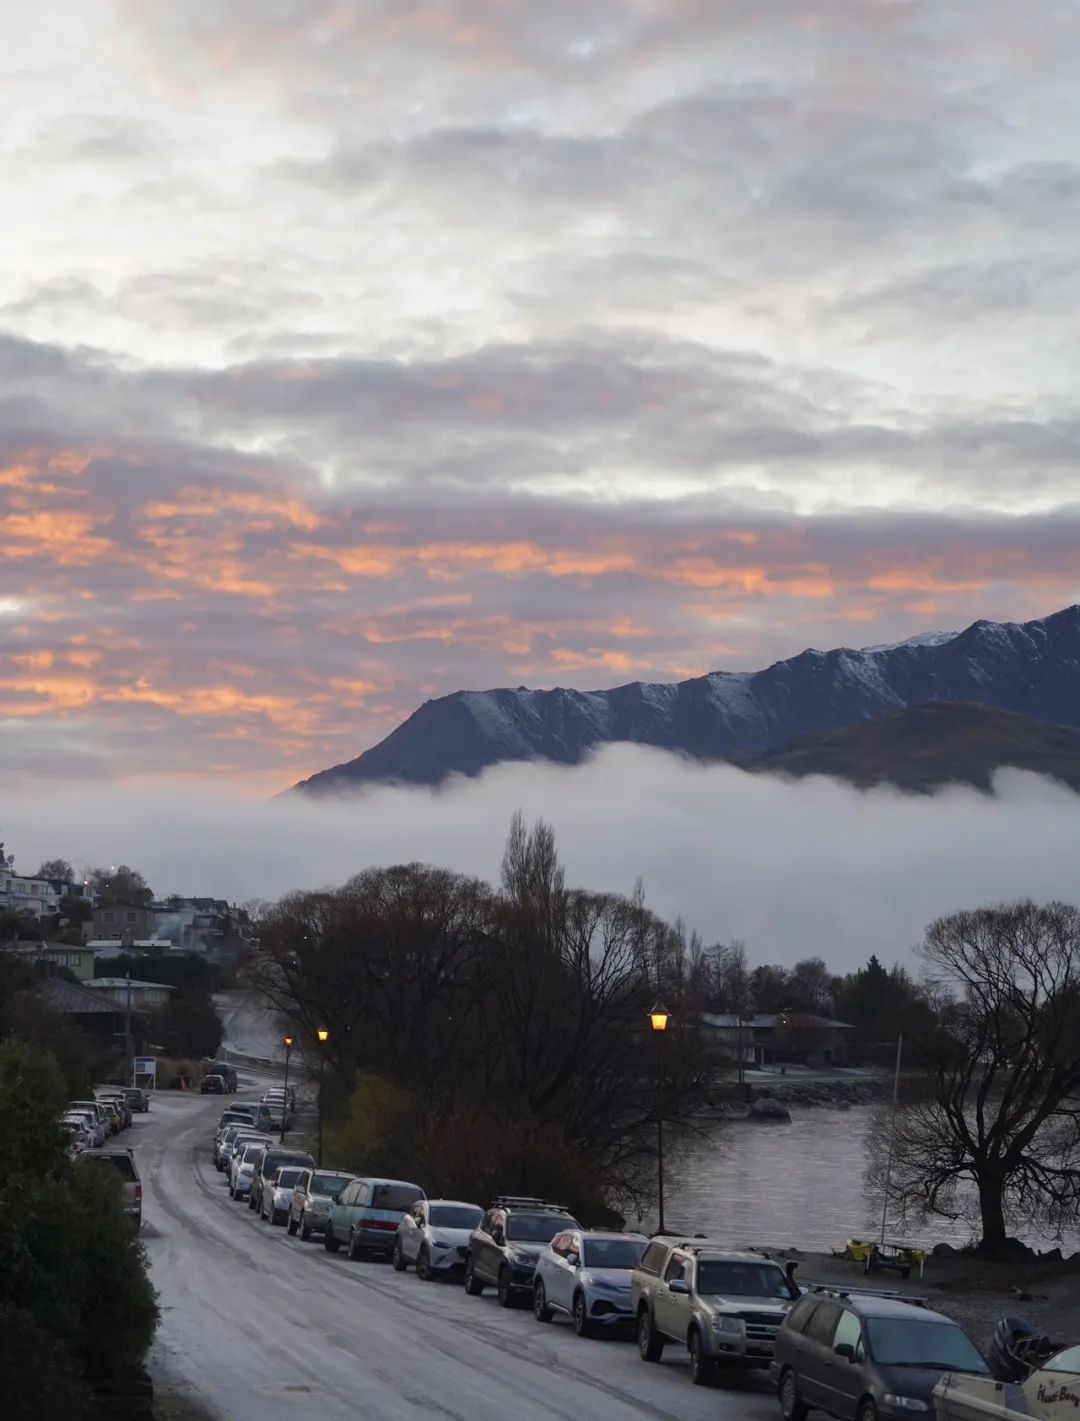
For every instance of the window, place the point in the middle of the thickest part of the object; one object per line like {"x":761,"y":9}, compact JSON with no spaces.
{"x":612,"y":1252}
{"x":848,"y":1331}
{"x":109,"y":917}
{"x":800,"y":1314}
{"x":535,"y":1228}
{"x":653,"y":1257}
{"x":1067,"y":1361}
{"x":742,"y":1280}
{"x":129,"y":917}
{"x":674,"y":1269}
{"x":560,"y":1244}
{"x":901,"y":1341}
{"x":823,"y":1323}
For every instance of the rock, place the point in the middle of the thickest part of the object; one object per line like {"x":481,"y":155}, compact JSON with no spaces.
{"x":770,"y":1110}
{"x":943,"y":1250}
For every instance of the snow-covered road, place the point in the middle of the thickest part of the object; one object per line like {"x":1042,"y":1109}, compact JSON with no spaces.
{"x":257,"y":1324}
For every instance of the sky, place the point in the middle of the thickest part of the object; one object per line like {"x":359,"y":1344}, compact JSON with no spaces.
{"x":356,"y":351}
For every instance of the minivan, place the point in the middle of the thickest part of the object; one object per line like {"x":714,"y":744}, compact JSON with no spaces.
{"x":264,"y":1167}
{"x":366,"y":1214}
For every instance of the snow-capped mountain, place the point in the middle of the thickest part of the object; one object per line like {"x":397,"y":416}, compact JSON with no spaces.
{"x":1032,"y":668}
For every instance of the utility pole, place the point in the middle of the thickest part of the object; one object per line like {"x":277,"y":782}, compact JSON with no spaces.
{"x":129,"y":1065}
{"x":892,"y":1137}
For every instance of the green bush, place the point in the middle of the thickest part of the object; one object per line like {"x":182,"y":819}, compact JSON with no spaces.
{"x":40,"y":1378}
{"x":70,"y":1263}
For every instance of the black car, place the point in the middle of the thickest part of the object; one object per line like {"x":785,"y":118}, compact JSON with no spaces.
{"x":504,"y":1246}
{"x":212,"y":1085}
{"x":865,"y":1356}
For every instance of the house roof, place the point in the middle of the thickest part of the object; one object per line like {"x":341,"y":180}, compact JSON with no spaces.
{"x":113,"y":982}
{"x":70,"y":1000}
{"x":768,"y":1021}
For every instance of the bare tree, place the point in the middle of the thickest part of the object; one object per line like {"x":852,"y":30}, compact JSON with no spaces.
{"x":993,"y":1133}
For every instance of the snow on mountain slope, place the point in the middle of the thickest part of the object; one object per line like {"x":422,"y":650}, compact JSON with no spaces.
{"x":1032,"y":669}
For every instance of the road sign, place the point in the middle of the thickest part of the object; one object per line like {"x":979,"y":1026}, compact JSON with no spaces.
{"x":144,"y":1072}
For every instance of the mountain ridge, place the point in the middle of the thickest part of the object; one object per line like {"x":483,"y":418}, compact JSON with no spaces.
{"x":1031,"y":669}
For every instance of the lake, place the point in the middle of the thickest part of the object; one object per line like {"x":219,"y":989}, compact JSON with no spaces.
{"x":791,"y":1185}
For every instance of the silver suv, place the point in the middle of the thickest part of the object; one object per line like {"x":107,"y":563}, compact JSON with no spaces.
{"x":724,"y":1307}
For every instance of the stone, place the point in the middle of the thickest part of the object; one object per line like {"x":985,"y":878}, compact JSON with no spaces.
{"x":943,"y":1250}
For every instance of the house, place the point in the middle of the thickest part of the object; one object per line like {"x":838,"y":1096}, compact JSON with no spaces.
{"x":121,"y":922}
{"x":780,"y":1038}
{"x":94,"y":1014}
{"x":36,"y":897}
{"x":144,"y":996}
{"x":46,"y":957}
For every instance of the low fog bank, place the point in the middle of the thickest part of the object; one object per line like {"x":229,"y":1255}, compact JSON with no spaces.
{"x":795,"y":868}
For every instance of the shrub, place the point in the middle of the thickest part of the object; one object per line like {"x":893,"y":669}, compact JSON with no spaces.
{"x":41,"y":1379}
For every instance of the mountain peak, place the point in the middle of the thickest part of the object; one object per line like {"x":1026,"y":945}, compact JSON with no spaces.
{"x":1031,"y":669}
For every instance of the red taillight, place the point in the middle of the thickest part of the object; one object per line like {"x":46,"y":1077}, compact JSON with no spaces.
{"x":138,"y":1193}
{"x":379,"y":1224}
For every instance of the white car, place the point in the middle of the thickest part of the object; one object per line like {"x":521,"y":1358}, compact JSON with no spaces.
{"x":277,"y":1193}
{"x":587,"y":1276}
{"x":79,"y":1128}
{"x":434,"y":1235}
{"x":242,"y":1167}
{"x":90,"y":1122}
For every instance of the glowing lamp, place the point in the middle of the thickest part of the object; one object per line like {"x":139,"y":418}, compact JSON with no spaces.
{"x":658,"y":1017}
{"x":323,"y":1035}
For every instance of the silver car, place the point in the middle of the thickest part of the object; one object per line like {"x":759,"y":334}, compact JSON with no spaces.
{"x":587,"y":1276}
{"x":277,"y":1193}
{"x":229,"y":1147}
{"x":313,"y":1194}
{"x":434,"y":1235}
{"x":91,"y":1120}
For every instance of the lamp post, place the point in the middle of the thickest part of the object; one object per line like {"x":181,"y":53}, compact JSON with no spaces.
{"x":324,"y":1037}
{"x":288,"y":1043}
{"x":658,"y":1020}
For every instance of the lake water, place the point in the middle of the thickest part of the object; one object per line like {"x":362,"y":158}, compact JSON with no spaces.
{"x":790,"y":1185}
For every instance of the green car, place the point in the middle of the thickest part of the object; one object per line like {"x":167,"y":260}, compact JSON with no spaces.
{"x":366,"y":1214}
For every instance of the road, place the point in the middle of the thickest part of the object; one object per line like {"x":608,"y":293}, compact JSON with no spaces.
{"x":257,"y":1324}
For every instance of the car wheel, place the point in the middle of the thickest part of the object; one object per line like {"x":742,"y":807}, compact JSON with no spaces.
{"x":292,"y":1226}
{"x":423,"y":1264}
{"x":541,"y":1311}
{"x":232,"y":1192}
{"x":473,"y":1285}
{"x":354,"y":1253}
{"x":277,"y":1218}
{"x":305,"y":1228}
{"x":792,"y":1406}
{"x":582,"y":1325}
{"x":506,"y":1292}
{"x":251,"y":1202}
{"x":701,"y":1367}
{"x":330,"y":1243}
{"x":650,"y":1344}
{"x":397,"y":1258}
{"x":867,"y":1410}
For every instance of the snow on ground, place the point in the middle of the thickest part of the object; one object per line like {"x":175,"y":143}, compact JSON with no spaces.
{"x":257,"y":1324}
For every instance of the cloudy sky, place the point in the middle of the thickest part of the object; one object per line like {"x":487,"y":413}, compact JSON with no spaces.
{"x":354,"y":351}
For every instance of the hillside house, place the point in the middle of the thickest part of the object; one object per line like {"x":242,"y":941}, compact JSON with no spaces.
{"x":780,"y":1038}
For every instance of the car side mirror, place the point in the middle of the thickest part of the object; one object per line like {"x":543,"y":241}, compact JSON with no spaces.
{"x":334,"y":1198}
{"x":845,"y":1349}
{"x":680,"y":1287}
{"x":498,"y":1236}
{"x":573,"y":1260}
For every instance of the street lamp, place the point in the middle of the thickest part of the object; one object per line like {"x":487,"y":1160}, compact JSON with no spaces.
{"x":288,"y":1043}
{"x":658,"y":1020}
{"x":324,"y":1037}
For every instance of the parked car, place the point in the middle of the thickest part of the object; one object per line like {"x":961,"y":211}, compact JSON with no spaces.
{"x":137,"y":1098}
{"x":79,"y":1129}
{"x":366,"y":1214}
{"x":504,"y":1246}
{"x":240,"y":1114}
{"x":242,"y":1169}
{"x":724,"y":1307}
{"x":225,"y":1071}
{"x":244,"y":1136}
{"x":587,"y":1276}
{"x":123,"y":1162}
{"x":114,"y":1119}
{"x":212,"y":1085}
{"x":860,"y":1355}
{"x":118,"y":1099}
{"x":266,"y":1163}
{"x":222,"y":1140}
{"x":434,"y":1235}
{"x":90,"y":1121}
{"x":277,"y":1194}
{"x":313,"y":1194}
{"x":98,"y":1111}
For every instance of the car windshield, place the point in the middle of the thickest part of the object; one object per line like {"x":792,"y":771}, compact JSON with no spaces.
{"x":455,"y":1216}
{"x":741,"y":1280}
{"x":613,"y":1252}
{"x":330,"y":1183}
{"x":1067,"y":1361}
{"x":252,"y":1153}
{"x":536,"y":1228}
{"x":395,"y":1196}
{"x":909,"y":1342}
{"x":287,"y":1178}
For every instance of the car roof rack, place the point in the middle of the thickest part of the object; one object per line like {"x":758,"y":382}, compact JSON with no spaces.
{"x":525,"y":1201}
{"x":842,"y":1290}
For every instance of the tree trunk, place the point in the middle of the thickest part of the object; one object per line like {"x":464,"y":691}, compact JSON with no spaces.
{"x":992,"y":1210}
